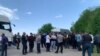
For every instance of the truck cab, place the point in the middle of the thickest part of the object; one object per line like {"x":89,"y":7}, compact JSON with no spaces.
{"x":5,"y":27}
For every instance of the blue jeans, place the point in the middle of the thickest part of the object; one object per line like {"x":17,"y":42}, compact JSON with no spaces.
{"x":60,"y":45}
{"x":53,"y":45}
{"x":98,"y":48}
{"x":66,"y":44}
{"x":38,"y":48}
{"x":92,"y":47}
{"x":48,"y":47}
{"x":86,"y":47}
{"x":79,"y":46}
{"x":24,"y":49}
{"x":4,"y":50}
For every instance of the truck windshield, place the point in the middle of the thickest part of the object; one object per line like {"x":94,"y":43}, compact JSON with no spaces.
{"x":5,"y":26}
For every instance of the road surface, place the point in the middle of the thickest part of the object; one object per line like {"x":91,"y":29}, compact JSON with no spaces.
{"x":12,"y":51}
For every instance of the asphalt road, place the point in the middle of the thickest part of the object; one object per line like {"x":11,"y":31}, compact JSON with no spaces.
{"x":12,"y":51}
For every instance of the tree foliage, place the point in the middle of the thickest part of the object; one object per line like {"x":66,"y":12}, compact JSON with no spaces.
{"x":46,"y":28}
{"x":89,"y":21}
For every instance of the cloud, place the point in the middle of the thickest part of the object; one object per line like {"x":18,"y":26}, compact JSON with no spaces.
{"x":10,"y":13}
{"x":15,"y":10}
{"x":59,"y":16}
{"x":29,"y":13}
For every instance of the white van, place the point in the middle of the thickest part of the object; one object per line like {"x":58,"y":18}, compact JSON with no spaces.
{"x":5,"y":27}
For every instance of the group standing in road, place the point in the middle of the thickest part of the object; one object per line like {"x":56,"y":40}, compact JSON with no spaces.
{"x":53,"y":42}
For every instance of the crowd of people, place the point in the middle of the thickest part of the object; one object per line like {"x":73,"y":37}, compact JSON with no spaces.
{"x":53,"y":42}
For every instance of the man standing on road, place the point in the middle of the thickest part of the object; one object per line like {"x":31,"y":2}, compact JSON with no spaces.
{"x":31,"y":40}
{"x":38,"y":41}
{"x":43,"y":40}
{"x":18,"y":38}
{"x":73,"y":41}
{"x":53,"y":41}
{"x":97,"y":42}
{"x":79,"y":40}
{"x":48,"y":42}
{"x":24,"y":43}
{"x":60,"y":43}
{"x":4,"y":42}
{"x":86,"y":43}
{"x":92,"y":42}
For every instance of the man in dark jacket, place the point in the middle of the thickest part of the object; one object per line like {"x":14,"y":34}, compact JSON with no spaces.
{"x":14,"y":39}
{"x":97,"y":42}
{"x":73,"y":41}
{"x":24,"y":43}
{"x":86,"y":43}
{"x":43,"y":40}
{"x":18,"y":40}
{"x":31,"y":40}
{"x":4,"y":42}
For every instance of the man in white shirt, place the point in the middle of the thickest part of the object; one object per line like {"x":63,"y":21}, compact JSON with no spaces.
{"x":92,"y":42}
{"x":48,"y":43}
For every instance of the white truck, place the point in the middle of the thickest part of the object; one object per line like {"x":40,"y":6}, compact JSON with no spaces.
{"x":5,"y":27}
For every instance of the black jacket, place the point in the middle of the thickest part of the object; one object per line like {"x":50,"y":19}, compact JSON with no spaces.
{"x":86,"y":38}
{"x":24,"y":40}
{"x":97,"y":39}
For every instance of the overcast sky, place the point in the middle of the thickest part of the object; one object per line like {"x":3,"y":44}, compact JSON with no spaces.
{"x":30,"y":15}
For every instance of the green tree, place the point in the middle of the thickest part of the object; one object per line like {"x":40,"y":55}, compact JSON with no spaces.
{"x":46,"y":28}
{"x":89,"y":21}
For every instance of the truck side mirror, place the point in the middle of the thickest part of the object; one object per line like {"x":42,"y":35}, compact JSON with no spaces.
{"x":14,"y":25}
